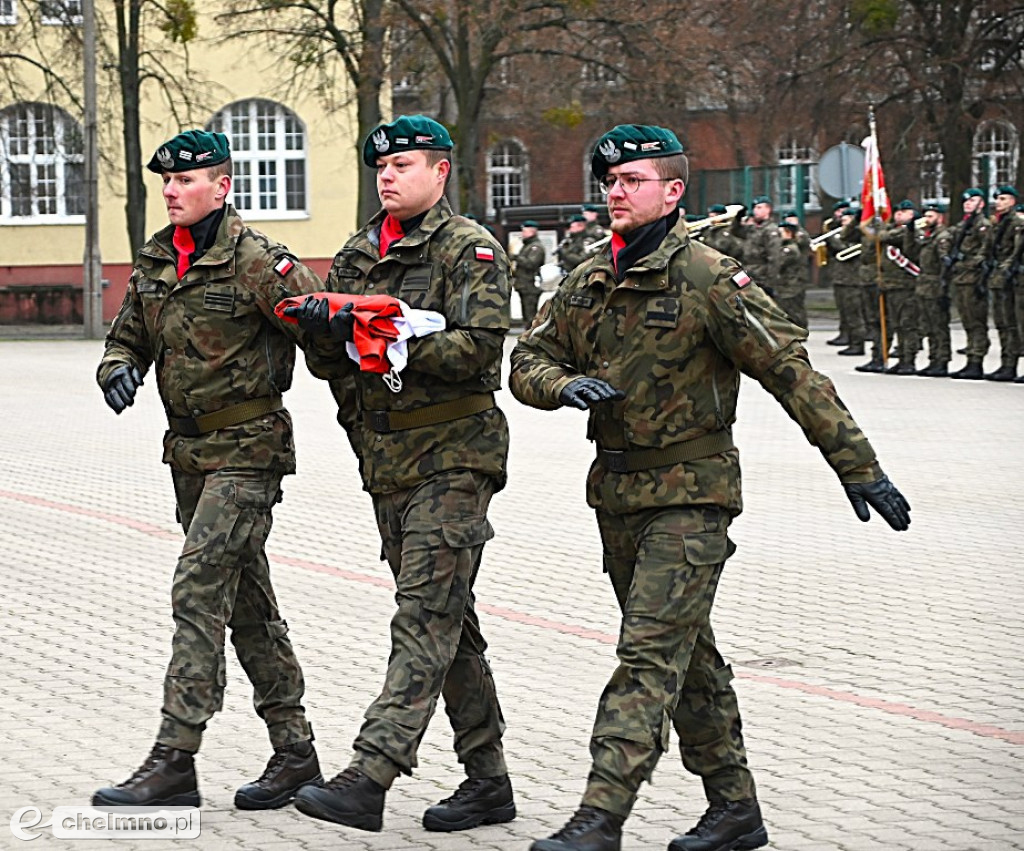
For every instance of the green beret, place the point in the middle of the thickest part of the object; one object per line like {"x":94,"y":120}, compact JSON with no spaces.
{"x":935,"y":208}
{"x":1006,"y":190}
{"x":853,"y":210}
{"x":793,"y":226}
{"x":576,"y":218}
{"x":789,"y":214}
{"x":693,"y":217}
{"x":628,"y":142}
{"x":529,"y":223}
{"x":715,"y":209}
{"x":906,"y":205}
{"x":190,"y":150}
{"x":840,"y":205}
{"x":762,"y":199}
{"x":405,"y":133}
{"x":591,"y":208}
{"x":973,"y":192}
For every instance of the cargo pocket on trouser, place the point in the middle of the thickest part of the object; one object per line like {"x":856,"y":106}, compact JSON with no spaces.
{"x":455,"y":561}
{"x":193,"y":692}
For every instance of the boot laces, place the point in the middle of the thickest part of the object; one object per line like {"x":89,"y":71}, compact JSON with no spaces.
{"x":349,"y":777}
{"x":467,"y":790}
{"x":276,"y":764}
{"x":156,"y":756}
{"x":714,"y":814}
{"x":582,"y":820}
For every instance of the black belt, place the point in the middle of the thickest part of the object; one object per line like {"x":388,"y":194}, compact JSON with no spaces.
{"x":631,"y":461}
{"x":232,"y":415}
{"x":384,"y":422}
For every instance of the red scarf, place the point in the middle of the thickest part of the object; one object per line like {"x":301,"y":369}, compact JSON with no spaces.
{"x":185,"y":246}
{"x":618,"y":243}
{"x":390,"y":231}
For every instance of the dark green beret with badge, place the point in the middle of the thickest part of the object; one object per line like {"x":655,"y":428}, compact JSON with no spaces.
{"x":190,"y":150}
{"x":840,"y":205}
{"x":762,"y":199}
{"x":973,"y":192}
{"x":934,"y":208}
{"x":628,"y":142}
{"x":716,"y":209}
{"x":530,"y":223}
{"x":906,"y":205}
{"x":405,"y":133}
{"x":591,"y":208}
{"x":1005,"y":190}
{"x":576,"y":217}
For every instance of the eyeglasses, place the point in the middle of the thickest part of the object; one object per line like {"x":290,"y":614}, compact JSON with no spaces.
{"x":630,"y":182}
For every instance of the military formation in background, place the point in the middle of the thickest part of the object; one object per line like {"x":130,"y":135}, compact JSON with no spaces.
{"x":920,"y":266}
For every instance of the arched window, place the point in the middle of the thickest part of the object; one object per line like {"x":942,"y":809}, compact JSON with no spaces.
{"x":798,"y":176}
{"x":995,"y":155}
{"x":268,"y":150}
{"x":592,"y":193}
{"x":933,"y":178}
{"x":507,"y":176}
{"x":42,"y":166}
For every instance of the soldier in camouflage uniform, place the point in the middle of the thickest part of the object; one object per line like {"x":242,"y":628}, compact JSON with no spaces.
{"x":528,"y":261}
{"x":720,"y":236}
{"x":827,"y":270}
{"x":433,"y":453}
{"x":966,"y":268}
{"x":898,"y":283}
{"x":1007,"y":223}
{"x":200,"y":309}
{"x":932,"y":304}
{"x":666,"y":481}
{"x":867,"y":272}
{"x":791,"y":290}
{"x":572,"y":250}
{"x":1012,"y":272}
{"x":762,"y":246}
{"x":593,"y":230}
{"x":847,"y":286}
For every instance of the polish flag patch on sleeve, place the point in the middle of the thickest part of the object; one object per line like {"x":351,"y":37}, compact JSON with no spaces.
{"x":741,"y":278}
{"x":483,"y":252}
{"x":284,"y":266}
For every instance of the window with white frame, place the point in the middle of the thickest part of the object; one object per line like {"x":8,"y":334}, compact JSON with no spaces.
{"x":797,"y":163}
{"x":8,"y":12}
{"x":42,"y":164}
{"x":995,"y":155}
{"x":58,"y":12}
{"x":507,"y":176}
{"x":932,"y":175}
{"x":592,"y":193}
{"x":268,"y":151}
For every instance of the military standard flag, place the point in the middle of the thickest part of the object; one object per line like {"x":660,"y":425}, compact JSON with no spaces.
{"x":874,"y":200}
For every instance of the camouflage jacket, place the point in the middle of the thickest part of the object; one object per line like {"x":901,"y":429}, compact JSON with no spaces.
{"x":528,"y":262}
{"x":841,"y":273}
{"x":793,"y":271}
{"x":1006,"y":231}
{"x":974,"y":248}
{"x":451,"y":265}
{"x":922,"y":246}
{"x":762,"y":252}
{"x":722,"y":239}
{"x":675,"y":336}
{"x":214,"y":341}
{"x":572,"y":251}
{"x":593,"y":232}
{"x":894,"y":277}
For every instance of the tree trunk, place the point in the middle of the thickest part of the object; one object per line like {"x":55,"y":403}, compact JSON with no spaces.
{"x":368,"y":115}
{"x":128,"y":70}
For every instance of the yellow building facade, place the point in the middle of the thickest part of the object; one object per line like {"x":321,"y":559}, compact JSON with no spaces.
{"x":295,"y":167}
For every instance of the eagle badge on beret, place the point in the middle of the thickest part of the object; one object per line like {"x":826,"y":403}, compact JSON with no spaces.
{"x":164,"y":157}
{"x":380,"y":141}
{"x":609,"y":151}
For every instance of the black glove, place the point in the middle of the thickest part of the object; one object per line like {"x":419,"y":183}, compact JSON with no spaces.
{"x":736,"y":226}
{"x":980,"y":292}
{"x":584,"y":393}
{"x":314,"y":317}
{"x":947,"y":261}
{"x":881,"y":495}
{"x":119,"y":392}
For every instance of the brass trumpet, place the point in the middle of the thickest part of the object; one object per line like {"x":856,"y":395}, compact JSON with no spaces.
{"x":692,"y":228}
{"x":849,"y":253}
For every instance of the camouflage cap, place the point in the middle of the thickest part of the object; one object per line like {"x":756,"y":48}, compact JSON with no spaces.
{"x":1005,"y":190}
{"x":762,"y":199}
{"x":973,"y":192}
{"x":405,"y":133}
{"x":190,"y":150}
{"x":628,"y":142}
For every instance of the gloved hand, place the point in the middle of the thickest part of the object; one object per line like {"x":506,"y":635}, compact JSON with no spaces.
{"x":947,"y":261}
{"x":121,"y":386}
{"x":584,"y":393}
{"x":881,"y":495}
{"x":314,"y":317}
{"x":736,"y":226}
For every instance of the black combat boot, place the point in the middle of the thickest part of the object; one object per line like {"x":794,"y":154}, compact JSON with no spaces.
{"x":290,"y":768}
{"x":971,"y":370}
{"x":167,"y":778}
{"x":852,"y":349}
{"x":904,"y":367}
{"x":350,"y":798}
{"x":726,"y":826}
{"x":478,"y":800}
{"x":873,"y":365}
{"x":1019,"y":379}
{"x":1004,"y":373}
{"x":934,"y":370}
{"x":841,"y":340}
{"x":590,"y":829}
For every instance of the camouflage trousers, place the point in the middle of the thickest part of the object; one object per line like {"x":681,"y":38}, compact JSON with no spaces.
{"x":664,"y":565}
{"x":850,"y":305}
{"x":795,"y":307}
{"x":902,"y":321}
{"x":223,"y":580}
{"x":1004,"y":317}
{"x":528,"y":298}
{"x":433,"y":536}
{"x":933,"y":319}
{"x":973,"y":309}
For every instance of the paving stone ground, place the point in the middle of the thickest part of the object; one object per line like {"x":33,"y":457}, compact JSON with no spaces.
{"x":879,"y":674}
